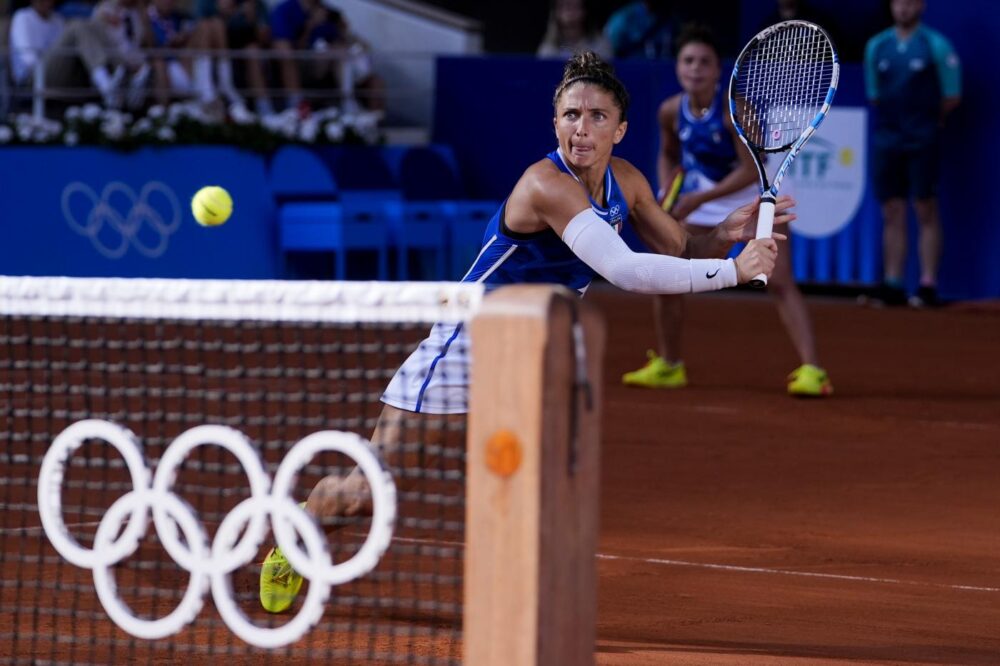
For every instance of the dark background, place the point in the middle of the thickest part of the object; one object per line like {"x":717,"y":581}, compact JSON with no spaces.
{"x":517,"y":26}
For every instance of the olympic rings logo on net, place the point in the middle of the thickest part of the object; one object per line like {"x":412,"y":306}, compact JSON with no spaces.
{"x":210,"y":566}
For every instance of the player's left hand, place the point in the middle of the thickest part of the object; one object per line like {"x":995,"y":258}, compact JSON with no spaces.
{"x":741,"y":225}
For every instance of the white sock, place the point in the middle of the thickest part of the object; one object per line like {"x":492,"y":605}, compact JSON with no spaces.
{"x":203,"y":78}
{"x":224,"y":72}
{"x":102,"y":80}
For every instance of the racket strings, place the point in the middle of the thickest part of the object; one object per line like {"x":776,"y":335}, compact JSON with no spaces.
{"x":782,"y":84}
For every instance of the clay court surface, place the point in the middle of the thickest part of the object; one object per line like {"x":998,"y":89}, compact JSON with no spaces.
{"x":741,"y":526}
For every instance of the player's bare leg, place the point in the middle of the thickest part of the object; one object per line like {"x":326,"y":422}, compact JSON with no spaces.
{"x":791,"y":305}
{"x":809,"y":379}
{"x":668,"y":315}
{"x":349,"y":495}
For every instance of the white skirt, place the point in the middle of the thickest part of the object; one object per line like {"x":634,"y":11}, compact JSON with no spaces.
{"x":435,"y":377}
{"x":713,"y":212}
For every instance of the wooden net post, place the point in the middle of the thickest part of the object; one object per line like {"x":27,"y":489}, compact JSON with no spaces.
{"x":533,"y":473}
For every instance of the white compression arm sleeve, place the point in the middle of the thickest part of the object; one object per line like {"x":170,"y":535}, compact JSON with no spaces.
{"x":596,"y":243}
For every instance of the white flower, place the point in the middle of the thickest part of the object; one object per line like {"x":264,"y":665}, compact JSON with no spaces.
{"x":90,"y":112}
{"x":6,"y":134}
{"x":23,"y":132}
{"x":309,"y":130}
{"x":166,"y":134}
{"x":156,"y":111}
{"x":329,"y":113}
{"x":273,"y":122}
{"x":175,"y":112}
{"x":72,"y":113}
{"x":334,"y":131}
{"x":112,"y":115}
{"x":113,"y":129}
{"x":142,"y":125}
{"x":71,"y":138}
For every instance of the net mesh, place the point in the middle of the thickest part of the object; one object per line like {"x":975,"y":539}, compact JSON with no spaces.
{"x":782,"y":81}
{"x":274,"y":362}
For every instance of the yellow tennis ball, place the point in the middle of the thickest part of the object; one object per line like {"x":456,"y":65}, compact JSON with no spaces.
{"x":211,"y":206}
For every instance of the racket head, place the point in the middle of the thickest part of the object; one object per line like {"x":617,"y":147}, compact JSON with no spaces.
{"x":782,"y":85}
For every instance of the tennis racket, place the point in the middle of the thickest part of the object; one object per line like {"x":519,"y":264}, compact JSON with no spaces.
{"x":782,"y":87}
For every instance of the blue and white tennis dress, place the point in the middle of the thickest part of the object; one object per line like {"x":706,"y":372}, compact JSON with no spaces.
{"x":707,"y":156}
{"x":435,"y":378}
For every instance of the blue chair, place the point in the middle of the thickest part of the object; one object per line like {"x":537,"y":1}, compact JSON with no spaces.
{"x":468,"y":227}
{"x":369,"y":187}
{"x":430,"y":187}
{"x":312,"y":215}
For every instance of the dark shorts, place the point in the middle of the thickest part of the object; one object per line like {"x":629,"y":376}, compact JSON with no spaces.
{"x":905,"y":173}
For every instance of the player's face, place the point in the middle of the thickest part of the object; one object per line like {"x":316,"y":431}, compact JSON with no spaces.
{"x":697,"y":68}
{"x":906,"y":13}
{"x":588,"y":125}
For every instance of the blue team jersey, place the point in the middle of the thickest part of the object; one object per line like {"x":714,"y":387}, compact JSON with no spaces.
{"x":541,"y":257}
{"x":908,"y":79}
{"x":706,"y":145}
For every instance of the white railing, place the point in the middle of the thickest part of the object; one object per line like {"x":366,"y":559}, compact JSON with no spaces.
{"x":408,"y":91}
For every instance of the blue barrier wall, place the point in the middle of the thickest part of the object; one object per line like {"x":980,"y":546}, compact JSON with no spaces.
{"x":96,"y":212}
{"x":497,"y":114}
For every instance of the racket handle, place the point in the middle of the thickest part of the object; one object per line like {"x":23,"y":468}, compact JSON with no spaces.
{"x":765,"y":224}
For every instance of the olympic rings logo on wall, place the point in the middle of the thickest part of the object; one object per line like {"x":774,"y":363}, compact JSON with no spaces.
{"x":144,"y":226}
{"x":211,"y":566}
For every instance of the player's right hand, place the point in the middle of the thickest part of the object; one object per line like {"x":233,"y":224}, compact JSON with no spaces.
{"x":757,"y":257}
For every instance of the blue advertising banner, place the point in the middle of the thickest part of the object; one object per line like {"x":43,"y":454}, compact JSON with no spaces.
{"x":92,"y":212}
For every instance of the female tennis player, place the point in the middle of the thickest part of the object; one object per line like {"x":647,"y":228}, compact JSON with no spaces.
{"x":560,"y":224}
{"x":697,"y":139}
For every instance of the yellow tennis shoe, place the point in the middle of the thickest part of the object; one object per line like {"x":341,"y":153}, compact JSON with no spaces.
{"x":809,"y":381}
{"x":657,"y":373}
{"x":279,"y":584}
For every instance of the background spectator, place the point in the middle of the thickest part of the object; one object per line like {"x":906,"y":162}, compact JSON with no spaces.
{"x":573,"y":28}
{"x":298,"y":25}
{"x":174,"y":29}
{"x":913,"y":78}
{"x":33,"y":31}
{"x":104,"y":51}
{"x":247,"y":30}
{"x":848,"y":47}
{"x":643,"y":29}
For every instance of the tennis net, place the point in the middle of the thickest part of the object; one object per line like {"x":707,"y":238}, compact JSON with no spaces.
{"x":151,"y":431}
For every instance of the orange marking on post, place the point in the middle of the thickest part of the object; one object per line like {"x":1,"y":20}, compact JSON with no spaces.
{"x":503,"y":453}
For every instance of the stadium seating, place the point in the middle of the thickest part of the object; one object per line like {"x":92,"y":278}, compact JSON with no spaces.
{"x":315,"y":215}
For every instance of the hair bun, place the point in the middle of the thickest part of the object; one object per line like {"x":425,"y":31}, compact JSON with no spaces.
{"x":588,"y":64}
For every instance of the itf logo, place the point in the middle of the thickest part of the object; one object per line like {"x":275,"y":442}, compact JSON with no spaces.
{"x":828,"y":177}
{"x":118,"y":218}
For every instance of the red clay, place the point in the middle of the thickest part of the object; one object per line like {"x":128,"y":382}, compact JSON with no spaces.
{"x":756,"y":528}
